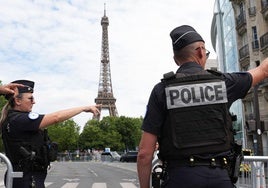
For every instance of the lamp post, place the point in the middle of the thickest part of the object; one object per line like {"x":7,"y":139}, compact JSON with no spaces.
{"x":257,"y":120}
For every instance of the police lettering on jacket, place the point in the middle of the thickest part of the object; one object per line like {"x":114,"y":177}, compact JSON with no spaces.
{"x":196,"y":94}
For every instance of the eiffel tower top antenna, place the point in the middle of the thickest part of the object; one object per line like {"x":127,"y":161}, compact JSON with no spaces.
{"x":104,"y":9}
{"x":105,"y":91}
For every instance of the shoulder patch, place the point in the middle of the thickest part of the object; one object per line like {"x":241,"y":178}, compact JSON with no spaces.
{"x":33,"y":115}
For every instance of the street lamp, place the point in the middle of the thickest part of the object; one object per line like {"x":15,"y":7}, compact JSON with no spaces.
{"x":257,"y":120}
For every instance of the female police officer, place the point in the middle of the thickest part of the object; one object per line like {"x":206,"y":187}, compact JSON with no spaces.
{"x":190,"y":118}
{"x":23,"y":135}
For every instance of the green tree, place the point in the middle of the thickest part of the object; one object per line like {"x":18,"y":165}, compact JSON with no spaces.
{"x":66,"y":134}
{"x":117,"y":133}
{"x":3,"y":101}
{"x":92,"y":136}
{"x":111,"y":137}
{"x":130,"y":130}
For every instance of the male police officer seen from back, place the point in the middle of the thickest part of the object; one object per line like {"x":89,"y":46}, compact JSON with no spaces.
{"x":24,"y":137}
{"x":188,"y":115}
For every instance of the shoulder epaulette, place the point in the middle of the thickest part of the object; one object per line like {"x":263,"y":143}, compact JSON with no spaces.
{"x":168,"y":76}
{"x":215,"y":72}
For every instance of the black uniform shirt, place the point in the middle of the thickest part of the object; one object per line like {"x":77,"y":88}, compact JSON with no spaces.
{"x":22,"y":125}
{"x":237,"y":85}
{"x":21,"y":129}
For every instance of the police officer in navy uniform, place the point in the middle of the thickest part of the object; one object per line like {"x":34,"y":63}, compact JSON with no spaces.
{"x":23,"y":134}
{"x":187,"y":114}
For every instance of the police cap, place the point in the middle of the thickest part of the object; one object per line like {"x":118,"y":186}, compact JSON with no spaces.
{"x":28,"y":87}
{"x":184,"y":35}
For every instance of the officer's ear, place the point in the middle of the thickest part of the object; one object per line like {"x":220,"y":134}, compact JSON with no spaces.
{"x":176,"y":61}
{"x":17,"y":99}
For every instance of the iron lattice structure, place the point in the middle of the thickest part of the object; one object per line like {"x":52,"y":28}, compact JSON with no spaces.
{"x":105,"y":91}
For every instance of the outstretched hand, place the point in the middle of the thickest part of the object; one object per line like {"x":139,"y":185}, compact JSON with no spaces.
{"x":93,"y":109}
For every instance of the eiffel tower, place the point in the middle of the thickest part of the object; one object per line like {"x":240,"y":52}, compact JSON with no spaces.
{"x":105,"y":91}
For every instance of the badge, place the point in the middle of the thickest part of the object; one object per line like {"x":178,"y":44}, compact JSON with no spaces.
{"x":33,"y":115}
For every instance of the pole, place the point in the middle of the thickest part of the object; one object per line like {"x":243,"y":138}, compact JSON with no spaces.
{"x":258,"y":121}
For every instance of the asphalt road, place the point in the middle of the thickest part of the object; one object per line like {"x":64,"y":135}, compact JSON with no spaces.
{"x":88,"y":175}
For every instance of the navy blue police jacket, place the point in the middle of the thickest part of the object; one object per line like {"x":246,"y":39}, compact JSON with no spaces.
{"x":237,"y":84}
{"x":22,"y":128}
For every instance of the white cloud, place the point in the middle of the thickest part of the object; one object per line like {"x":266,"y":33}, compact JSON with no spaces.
{"x":58,"y":45}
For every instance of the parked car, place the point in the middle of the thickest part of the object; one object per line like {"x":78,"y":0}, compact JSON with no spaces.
{"x":110,"y":156}
{"x":130,"y":156}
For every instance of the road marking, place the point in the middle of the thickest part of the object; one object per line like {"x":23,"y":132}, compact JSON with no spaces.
{"x":48,"y":184}
{"x":99,"y":185}
{"x":130,"y":180}
{"x":75,"y":184}
{"x":95,"y":174}
{"x":69,"y":179}
{"x":2,"y":184}
{"x":70,"y":185}
{"x":128,"y":185}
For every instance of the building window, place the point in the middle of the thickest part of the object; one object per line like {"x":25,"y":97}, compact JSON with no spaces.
{"x":255,"y":42}
{"x":252,"y":8}
{"x":264,"y":4}
{"x":241,"y":7}
{"x":257,"y":63}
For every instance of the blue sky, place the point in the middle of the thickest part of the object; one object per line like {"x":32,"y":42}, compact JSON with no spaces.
{"x":57,"y":44}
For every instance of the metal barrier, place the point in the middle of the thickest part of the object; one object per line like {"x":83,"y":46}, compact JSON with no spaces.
{"x":77,"y":157}
{"x":253,"y":172}
{"x":10,"y":173}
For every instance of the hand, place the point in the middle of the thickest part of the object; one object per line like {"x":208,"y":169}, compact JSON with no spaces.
{"x":94,"y":109}
{"x":9,"y":88}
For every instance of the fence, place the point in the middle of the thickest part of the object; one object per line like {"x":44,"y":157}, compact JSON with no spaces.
{"x":78,"y":157}
{"x":253,"y":172}
{"x":10,"y":173}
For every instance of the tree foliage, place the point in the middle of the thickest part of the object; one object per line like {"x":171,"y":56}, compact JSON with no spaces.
{"x":118,"y":133}
{"x":66,"y":134}
{"x":91,"y":136}
{"x":3,"y":101}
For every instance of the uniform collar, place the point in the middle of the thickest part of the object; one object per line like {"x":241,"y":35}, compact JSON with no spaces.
{"x":190,"y":67}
